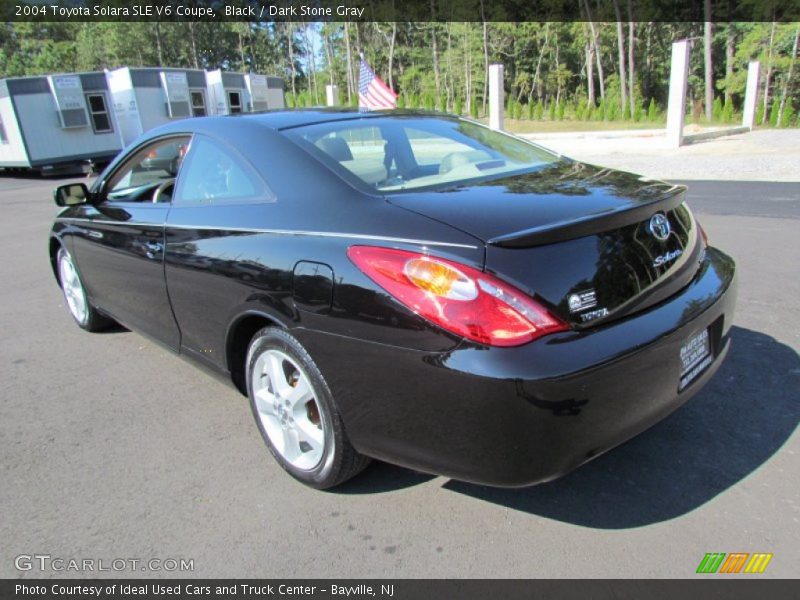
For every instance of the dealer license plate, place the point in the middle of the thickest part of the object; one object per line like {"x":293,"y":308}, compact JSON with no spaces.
{"x":695,"y":357}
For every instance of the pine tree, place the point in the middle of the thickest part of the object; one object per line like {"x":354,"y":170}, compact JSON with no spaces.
{"x":652,"y":110}
{"x":638,"y":112}
{"x":539,"y":111}
{"x":788,"y":114}
{"x":717,"y":109}
{"x":773,"y":113}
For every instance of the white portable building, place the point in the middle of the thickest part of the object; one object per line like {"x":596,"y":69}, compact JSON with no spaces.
{"x":264,"y":92}
{"x":54,"y":121}
{"x":232,"y":93}
{"x":150,"y":96}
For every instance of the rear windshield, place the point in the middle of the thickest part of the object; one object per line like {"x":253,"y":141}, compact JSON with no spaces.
{"x":393,"y":154}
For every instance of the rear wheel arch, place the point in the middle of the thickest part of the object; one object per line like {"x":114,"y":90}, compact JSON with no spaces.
{"x":240,"y":333}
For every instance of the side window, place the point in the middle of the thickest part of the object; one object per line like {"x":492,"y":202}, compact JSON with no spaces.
{"x":198,"y":103}
{"x":213,"y":174}
{"x":235,"y":102}
{"x":98,"y":110}
{"x":149,"y":175}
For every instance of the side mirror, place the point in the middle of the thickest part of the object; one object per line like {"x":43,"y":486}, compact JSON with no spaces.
{"x":71,"y":194}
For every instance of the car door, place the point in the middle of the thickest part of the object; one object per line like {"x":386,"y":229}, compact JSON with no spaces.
{"x":216,"y":258}
{"x":119,"y":244}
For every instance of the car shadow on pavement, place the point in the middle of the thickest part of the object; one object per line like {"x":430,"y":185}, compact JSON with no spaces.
{"x":113,"y":328}
{"x":734,"y":425}
{"x":382,"y":477}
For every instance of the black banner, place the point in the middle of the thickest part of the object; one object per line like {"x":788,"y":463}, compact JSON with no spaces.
{"x":399,"y":589}
{"x":397,"y":10}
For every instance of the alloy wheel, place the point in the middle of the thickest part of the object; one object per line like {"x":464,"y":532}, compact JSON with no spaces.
{"x":288,"y":410}
{"x":73,"y":289}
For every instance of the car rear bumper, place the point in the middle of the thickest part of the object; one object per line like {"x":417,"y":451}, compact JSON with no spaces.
{"x":518,"y":416}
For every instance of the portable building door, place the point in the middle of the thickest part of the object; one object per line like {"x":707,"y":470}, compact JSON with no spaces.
{"x":176,"y":89}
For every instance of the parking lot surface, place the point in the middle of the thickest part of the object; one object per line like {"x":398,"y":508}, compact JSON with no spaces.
{"x":114,"y":448}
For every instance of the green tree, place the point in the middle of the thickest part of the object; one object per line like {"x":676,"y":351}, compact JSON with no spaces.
{"x":652,"y":110}
{"x":538,"y":111}
{"x":727,"y":111}
{"x":717,"y":109}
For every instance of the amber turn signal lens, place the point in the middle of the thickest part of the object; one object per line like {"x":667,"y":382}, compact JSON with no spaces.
{"x":440,"y":279}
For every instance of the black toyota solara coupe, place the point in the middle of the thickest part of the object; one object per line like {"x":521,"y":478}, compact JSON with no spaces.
{"x":412,"y":287}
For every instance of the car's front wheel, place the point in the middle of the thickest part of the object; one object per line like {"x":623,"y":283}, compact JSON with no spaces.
{"x":295,"y":412}
{"x":85,"y":315}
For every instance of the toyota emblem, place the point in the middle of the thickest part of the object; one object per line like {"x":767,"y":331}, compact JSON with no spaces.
{"x":659,"y":226}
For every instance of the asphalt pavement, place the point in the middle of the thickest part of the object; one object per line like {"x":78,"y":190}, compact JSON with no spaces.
{"x":112,"y":448}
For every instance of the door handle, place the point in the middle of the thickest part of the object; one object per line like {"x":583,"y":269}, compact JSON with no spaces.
{"x":153,"y":248}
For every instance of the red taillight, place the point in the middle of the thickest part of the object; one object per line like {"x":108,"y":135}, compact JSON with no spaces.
{"x":456,"y":297}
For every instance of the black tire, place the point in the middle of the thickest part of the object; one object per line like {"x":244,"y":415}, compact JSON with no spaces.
{"x":339,"y":461}
{"x":89,"y":319}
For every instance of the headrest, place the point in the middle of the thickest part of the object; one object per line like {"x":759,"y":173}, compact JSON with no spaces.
{"x":335,"y":147}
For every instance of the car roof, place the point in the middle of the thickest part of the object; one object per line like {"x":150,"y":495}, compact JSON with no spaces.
{"x":286,"y":119}
{"x":276,"y":120}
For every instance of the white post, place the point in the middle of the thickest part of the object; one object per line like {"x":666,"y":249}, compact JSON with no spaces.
{"x":676,"y":109}
{"x":496,"y":100}
{"x":751,"y":95}
{"x":332,"y":95}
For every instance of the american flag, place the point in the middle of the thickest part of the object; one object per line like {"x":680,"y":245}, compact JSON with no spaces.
{"x":372,"y":92}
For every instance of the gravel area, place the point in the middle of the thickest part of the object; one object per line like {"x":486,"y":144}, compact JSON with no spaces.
{"x":768,"y":155}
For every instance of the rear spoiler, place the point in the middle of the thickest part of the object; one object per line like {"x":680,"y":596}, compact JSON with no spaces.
{"x":575,"y":228}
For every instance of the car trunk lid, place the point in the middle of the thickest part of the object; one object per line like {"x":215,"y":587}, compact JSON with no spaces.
{"x":586,"y":241}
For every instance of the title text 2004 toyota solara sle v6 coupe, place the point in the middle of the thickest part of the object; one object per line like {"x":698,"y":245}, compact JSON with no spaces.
{"x":411,"y":287}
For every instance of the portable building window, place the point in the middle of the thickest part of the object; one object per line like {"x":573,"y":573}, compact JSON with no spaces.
{"x":235,"y":102}
{"x":3,"y":136}
{"x":101,"y":122}
{"x":198,"y":103}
